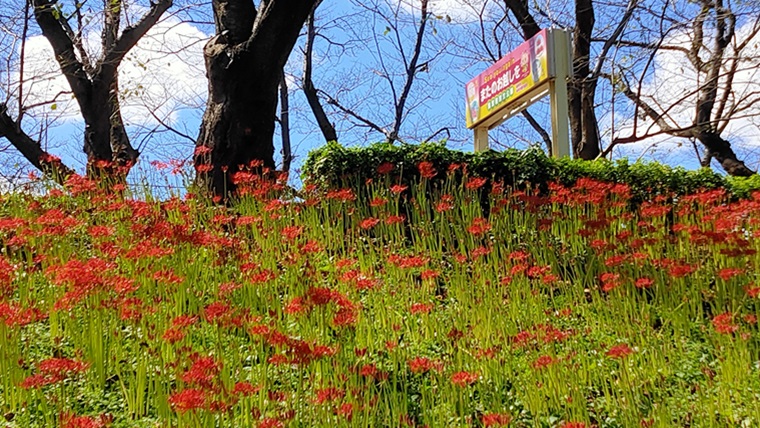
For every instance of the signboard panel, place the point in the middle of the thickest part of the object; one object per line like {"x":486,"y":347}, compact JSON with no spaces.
{"x":520,"y":71}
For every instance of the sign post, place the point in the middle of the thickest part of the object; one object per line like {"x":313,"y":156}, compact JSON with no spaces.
{"x":538,"y":67}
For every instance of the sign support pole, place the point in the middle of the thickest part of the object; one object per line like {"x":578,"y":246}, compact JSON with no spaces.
{"x":558,"y":96}
{"x":481,"y":139}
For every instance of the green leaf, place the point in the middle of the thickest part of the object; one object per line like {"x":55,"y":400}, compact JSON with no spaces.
{"x":54,"y":106}
{"x":387,"y":30}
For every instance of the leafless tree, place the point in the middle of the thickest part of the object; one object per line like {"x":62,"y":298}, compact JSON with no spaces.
{"x":710,"y":54}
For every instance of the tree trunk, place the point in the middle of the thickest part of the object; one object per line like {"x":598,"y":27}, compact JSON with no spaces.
{"x":244,"y":66}
{"x":719,"y":149}
{"x":583,"y":122}
{"x":31,"y":149}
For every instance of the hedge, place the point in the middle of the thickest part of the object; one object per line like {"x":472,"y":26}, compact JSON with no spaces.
{"x":335,"y":166}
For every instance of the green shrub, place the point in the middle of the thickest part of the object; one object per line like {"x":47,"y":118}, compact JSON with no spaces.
{"x":336,"y":166}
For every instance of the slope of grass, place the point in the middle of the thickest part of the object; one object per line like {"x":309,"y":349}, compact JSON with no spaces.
{"x":416,"y":308}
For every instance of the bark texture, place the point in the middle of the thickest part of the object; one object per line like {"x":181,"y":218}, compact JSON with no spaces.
{"x":95,"y":84}
{"x":244,"y":63}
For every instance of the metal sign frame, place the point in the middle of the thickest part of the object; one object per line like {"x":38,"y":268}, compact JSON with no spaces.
{"x":559,"y":63}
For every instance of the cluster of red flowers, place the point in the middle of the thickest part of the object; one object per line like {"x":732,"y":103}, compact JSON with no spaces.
{"x":54,"y":370}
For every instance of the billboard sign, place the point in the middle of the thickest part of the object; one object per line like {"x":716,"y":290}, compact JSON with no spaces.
{"x":513,"y":76}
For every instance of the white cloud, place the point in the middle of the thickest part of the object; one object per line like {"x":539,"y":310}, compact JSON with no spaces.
{"x":462,"y":11}
{"x":163,"y":73}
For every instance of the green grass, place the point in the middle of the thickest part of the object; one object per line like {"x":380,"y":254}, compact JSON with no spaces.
{"x":417,"y":308}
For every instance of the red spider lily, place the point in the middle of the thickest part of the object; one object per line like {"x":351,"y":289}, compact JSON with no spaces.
{"x":752,"y":291}
{"x":610,"y":281}
{"x":544,"y":361}
{"x":398,"y":188}
{"x":750,"y":319}
{"x":70,"y":420}
{"x":245,"y":389}
{"x":290,"y":233}
{"x":419,"y":365}
{"x":378,"y":202}
{"x":407,"y":262}
{"x":479,"y":226}
{"x":496,"y":419}
{"x":346,"y":411}
{"x":421,"y":308}
{"x":203,"y":373}
{"x":188,"y":399}
{"x":429,"y":274}
{"x":463,"y":378}
{"x":445,"y":204}
{"x":343,"y":195}
{"x":368,"y":370}
{"x":619,"y":351}
{"x":427,"y":170}
{"x":644,"y":283}
{"x":395,"y":219}
{"x":385,"y":168}
{"x":369,"y":223}
{"x":15,"y":316}
{"x":173,"y":335}
{"x":727,"y":273}
{"x":480,"y":252}
{"x":475,"y":183}
{"x":328,"y":394}
{"x":573,"y":425}
{"x":724,"y":323}
{"x":270,"y":423}
{"x":54,"y":370}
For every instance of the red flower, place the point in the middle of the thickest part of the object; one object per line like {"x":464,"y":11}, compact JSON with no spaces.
{"x":619,"y":351}
{"x":496,"y":419}
{"x":421,"y":308}
{"x":644,"y":282}
{"x":427,"y":170}
{"x":369,"y":223}
{"x":463,"y":379}
{"x":422,"y":365}
{"x":204,"y":372}
{"x":479,"y":226}
{"x":69,"y":420}
{"x":723,"y":323}
{"x":188,"y":399}
{"x":727,"y":273}
{"x":543,"y":361}
{"x":385,"y":168}
{"x":245,"y":389}
{"x":398,"y":188}
{"x":475,"y":183}
{"x":573,"y":425}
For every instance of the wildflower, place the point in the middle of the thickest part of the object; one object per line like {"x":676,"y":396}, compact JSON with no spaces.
{"x":727,"y":273}
{"x":346,"y":410}
{"x":395,"y":219}
{"x":610,"y":281}
{"x":70,"y":420}
{"x":385,"y":168}
{"x":203,"y":372}
{"x":290,"y":233}
{"x":644,"y":282}
{"x":427,"y":170}
{"x":54,"y":370}
{"x":496,"y":419}
{"x":270,"y":423}
{"x":328,"y":394}
{"x":188,"y":399}
{"x":445,"y":204}
{"x":573,"y":425}
{"x":479,"y":226}
{"x":463,"y":379}
{"x":398,"y":188}
{"x":245,"y":389}
{"x":421,"y":308}
{"x":475,"y":183}
{"x":543,"y":361}
{"x":723,"y":323}
{"x":619,"y":351}
{"x":421,"y":365}
{"x":369,"y":223}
